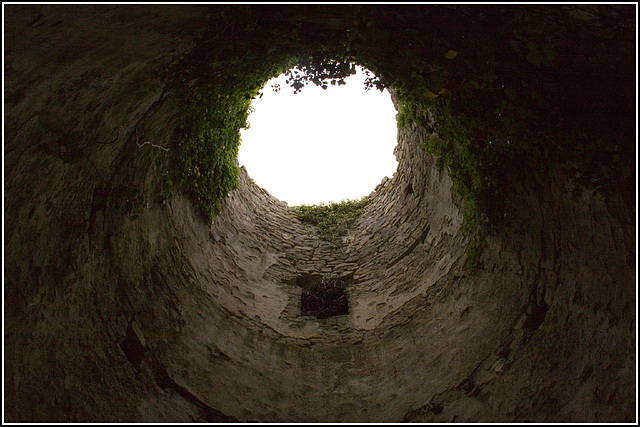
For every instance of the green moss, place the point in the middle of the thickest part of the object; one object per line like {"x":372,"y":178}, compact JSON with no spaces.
{"x":332,"y":220}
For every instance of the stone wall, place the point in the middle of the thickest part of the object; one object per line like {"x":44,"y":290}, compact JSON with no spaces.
{"x":166,"y":318}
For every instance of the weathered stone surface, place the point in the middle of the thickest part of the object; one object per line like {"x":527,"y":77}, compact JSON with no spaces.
{"x":165,"y":318}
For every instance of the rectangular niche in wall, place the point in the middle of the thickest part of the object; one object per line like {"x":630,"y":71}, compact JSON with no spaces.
{"x":323,"y":297}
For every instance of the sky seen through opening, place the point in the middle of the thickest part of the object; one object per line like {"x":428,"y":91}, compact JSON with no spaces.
{"x":320,"y":146}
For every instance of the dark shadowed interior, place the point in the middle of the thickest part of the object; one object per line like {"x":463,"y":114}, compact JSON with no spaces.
{"x":491,"y":279}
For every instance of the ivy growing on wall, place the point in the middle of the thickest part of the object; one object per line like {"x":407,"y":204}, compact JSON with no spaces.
{"x":333,"y":219}
{"x":215,"y":107}
{"x":492,"y":91}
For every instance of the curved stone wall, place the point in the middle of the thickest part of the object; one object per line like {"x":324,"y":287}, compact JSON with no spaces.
{"x":166,"y":318}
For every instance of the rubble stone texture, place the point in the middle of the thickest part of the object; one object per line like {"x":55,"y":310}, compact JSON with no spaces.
{"x":165,"y":318}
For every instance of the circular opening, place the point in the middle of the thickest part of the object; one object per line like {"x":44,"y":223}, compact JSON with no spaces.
{"x":320,"y":146}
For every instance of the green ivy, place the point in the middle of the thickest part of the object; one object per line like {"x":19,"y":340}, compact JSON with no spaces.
{"x":332,"y":220}
{"x":496,"y":119}
{"x":203,"y":163}
{"x":206,"y":141}
{"x":207,"y":147}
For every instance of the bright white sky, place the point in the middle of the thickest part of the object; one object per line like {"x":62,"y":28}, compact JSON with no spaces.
{"x":320,"y":145}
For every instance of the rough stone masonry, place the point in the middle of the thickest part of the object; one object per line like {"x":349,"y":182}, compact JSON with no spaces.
{"x":164,"y":318}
